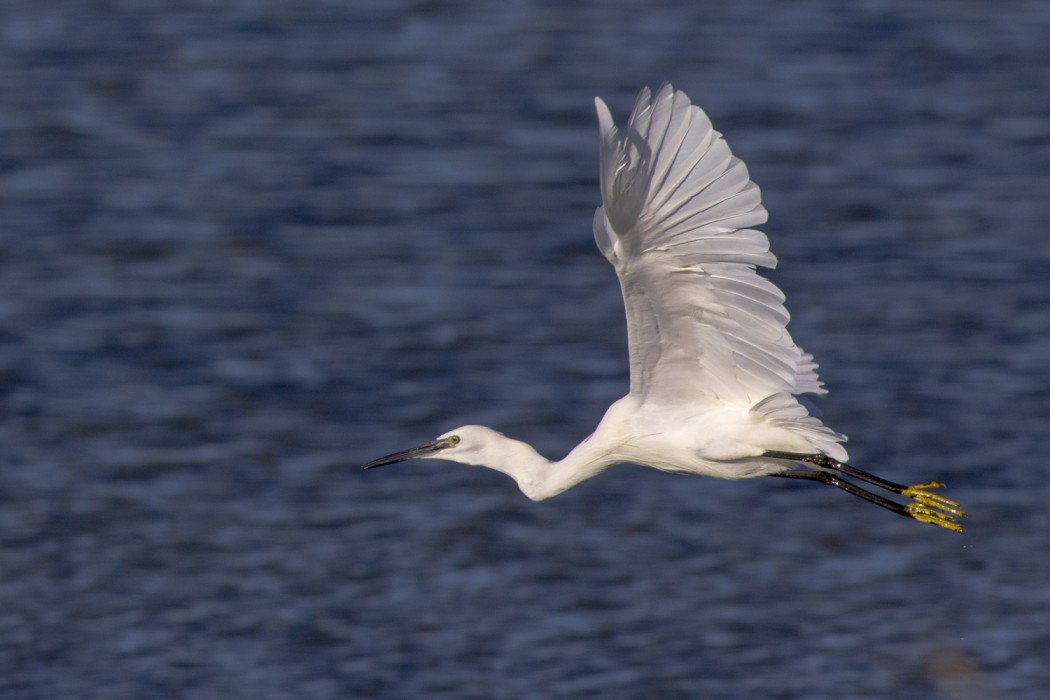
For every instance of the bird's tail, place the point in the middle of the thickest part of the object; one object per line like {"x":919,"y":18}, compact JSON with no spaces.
{"x":785,"y":411}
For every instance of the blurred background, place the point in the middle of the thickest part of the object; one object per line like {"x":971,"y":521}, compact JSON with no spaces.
{"x":247,"y":246}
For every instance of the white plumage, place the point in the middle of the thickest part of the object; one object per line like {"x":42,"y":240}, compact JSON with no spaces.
{"x":714,"y":371}
{"x":703,"y":327}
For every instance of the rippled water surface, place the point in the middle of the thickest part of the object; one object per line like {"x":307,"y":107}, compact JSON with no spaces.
{"x":244,"y":250}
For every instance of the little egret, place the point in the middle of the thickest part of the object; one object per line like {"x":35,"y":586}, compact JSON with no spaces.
{"x":714,"y":371}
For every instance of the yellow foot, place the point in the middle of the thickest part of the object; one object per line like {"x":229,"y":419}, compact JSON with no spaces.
{"x":932,"y":507}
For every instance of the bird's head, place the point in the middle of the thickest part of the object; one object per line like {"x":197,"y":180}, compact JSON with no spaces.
{"x":469,"y":444}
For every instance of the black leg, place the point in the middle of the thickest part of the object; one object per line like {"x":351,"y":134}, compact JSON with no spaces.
{"x":825,"y":462}
{"x":832,"y":480}
{"x":925,"y":507}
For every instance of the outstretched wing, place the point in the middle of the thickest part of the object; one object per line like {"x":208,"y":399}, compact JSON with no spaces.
{"x":675,"y":221}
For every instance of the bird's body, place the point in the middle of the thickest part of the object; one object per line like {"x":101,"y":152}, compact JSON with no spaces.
{"x":722,"y":441}
{"x":715,"y":374}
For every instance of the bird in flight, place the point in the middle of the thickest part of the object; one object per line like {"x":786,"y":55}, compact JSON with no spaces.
{"x":715,"y":375}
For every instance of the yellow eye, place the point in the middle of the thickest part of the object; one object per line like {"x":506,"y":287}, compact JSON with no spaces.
{"x":453,"y":440}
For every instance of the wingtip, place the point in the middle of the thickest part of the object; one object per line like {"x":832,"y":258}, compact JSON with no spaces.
{"x":665,"y":91}
{"x":606,"y":124}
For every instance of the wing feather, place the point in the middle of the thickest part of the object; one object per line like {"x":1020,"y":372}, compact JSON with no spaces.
{"x":676,"y":221}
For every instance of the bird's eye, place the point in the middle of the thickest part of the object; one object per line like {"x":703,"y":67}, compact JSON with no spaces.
{"x":453,"y":440}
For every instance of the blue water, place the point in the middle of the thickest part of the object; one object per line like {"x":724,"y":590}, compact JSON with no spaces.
{"x":245,"y":250}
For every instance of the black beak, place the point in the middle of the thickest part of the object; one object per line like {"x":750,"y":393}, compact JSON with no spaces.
{"x":427,"y":450}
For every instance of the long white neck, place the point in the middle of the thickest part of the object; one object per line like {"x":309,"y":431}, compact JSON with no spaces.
{"x":537,"y":477}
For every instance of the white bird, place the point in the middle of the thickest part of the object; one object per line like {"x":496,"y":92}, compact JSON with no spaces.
{"x":714,"y":371}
